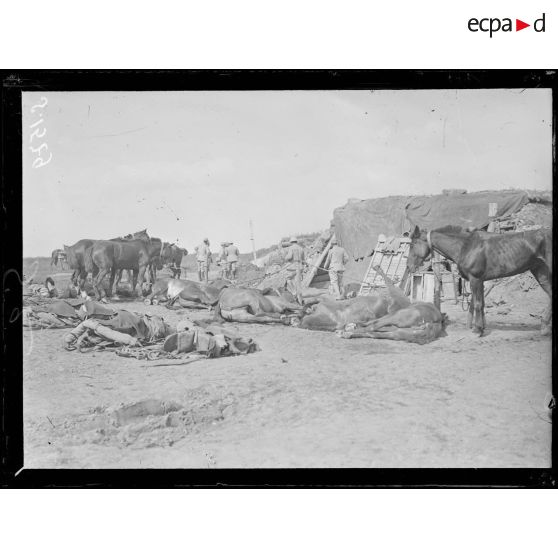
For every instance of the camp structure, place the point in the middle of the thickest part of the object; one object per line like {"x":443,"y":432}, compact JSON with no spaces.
{"x":359,"y":223}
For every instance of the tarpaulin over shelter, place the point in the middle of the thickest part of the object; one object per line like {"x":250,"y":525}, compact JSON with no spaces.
{"x":465,"y":210}
{"x":359,"y":223}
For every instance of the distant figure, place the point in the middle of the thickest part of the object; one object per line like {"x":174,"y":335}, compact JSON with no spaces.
{"x":58,"y":257}
{"x":295,"y":255}
{"x":222,"y":261}
{"x":335,"y":264}
{"x":232,"y":260}
{"x":203,"y":256}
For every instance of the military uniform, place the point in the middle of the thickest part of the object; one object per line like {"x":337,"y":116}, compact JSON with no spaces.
{"x":203,"y":257}
{"x":335,"y":264}
{"x":295,"y":255}
{"x":232,"y":260}
{"x":222,"y":260}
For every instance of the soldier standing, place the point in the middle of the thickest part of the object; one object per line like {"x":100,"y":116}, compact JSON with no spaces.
{"x":203,"y":257}
{"x":222,"y":260}
{"x":335,"y":264}
{"x":295,"y":255}
{"x":232,"y":260}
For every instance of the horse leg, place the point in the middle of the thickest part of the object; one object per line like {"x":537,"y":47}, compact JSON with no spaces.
{"x":81,"y":278}
{"x":140,"y":277}
{"x":112,"y":282}
{"x":477,"y":296}
{"x":543,"y":275}
{"x":98,"y":284}
{"x":118,"y":278}
{"x":189,"y":304}
{"x":135,"y":279}
{"x":470,"y":309}
{"x":242,"y":315}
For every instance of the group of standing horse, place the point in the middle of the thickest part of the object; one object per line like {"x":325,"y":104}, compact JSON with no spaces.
{"x":138,"y":253}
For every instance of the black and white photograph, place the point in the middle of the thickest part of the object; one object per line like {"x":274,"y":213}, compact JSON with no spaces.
{"x":287,"y":278}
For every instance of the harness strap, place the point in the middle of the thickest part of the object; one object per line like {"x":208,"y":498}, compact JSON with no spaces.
{"x":429,"y":240}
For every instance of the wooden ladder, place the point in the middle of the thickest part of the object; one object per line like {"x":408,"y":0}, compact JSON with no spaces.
{"x":392,"y":264}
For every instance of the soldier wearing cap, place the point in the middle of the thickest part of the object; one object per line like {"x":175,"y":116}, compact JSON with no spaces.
{"x":222,"y":260}
{"x":203,"y":257}
{"x":295,"y":256}
{"x":232,"y":260}
{"x":335,"y":264}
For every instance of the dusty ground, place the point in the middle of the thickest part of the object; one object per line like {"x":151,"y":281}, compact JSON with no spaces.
{"x":308,"y":399}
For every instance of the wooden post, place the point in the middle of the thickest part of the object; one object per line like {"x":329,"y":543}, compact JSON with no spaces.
{"x":436,"y":268}
{"x":493,"y":226}
{"x":319,"y":259}
{"x":252,"y":239}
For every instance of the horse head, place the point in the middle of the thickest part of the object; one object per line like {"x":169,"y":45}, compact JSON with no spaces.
{"x":419,"y":249}
{"x":140,"y":235}
{"x":165,"y":253}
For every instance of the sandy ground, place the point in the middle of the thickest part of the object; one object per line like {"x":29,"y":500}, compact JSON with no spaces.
{"x":307,"y":399}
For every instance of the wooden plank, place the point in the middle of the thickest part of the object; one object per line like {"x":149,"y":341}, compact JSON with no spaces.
{"x":317,"y":263}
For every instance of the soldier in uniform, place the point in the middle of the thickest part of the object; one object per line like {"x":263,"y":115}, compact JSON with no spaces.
{"x":232,"y":260}
{"x":335,"y":264}
{"x":203,"y":257}
{"x":222,"y":260}
{"x":295,"y":255}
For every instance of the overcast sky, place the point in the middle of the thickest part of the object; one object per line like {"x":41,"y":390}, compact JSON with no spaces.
{"x":186,"y":165}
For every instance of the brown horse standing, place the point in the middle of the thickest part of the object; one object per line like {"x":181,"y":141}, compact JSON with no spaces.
{"x":482,"y":256}
{"x":75,"y":256}
{"x":113,"y":255}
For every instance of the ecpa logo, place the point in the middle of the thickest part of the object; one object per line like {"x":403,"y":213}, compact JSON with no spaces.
{"x":494,"y":24}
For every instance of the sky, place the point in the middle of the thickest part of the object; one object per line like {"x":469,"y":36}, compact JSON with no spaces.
{"x":193,"y":164}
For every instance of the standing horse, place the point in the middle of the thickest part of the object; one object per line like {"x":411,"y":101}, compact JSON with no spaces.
{"x":75,"y":256}
{"x":111,"y":256}
{"x":482,"y":256}
{"x":159,"y":253}
{"x":175,"y":260}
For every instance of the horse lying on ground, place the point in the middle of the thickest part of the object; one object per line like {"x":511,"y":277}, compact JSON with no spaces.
{"x":419,"y":322}
{"x":482,"y":256}
{"x":252,"y":306}
{"x":189,"y":294}
{"x":332,"y":315}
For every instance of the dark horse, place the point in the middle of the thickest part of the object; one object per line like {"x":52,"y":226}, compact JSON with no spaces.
{"x":160,"y":255}
{"x":482,"y":256}
{"x":106,"y":256}
{"x":75,"y":256}
{"x":175,"y":260}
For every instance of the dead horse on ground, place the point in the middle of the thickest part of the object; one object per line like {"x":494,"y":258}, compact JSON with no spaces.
{"x":189,"y":294}
{"x":419,"y":322}
{"x":252,"y":306}
{"x":332,"y":315}
{"x":482,"y":256}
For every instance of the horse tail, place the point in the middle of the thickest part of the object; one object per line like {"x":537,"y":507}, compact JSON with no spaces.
{"x":88,"y":262}
{"x":71,"y":257}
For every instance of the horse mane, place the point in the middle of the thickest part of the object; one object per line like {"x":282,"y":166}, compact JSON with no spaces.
{"x":450,"y":229}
